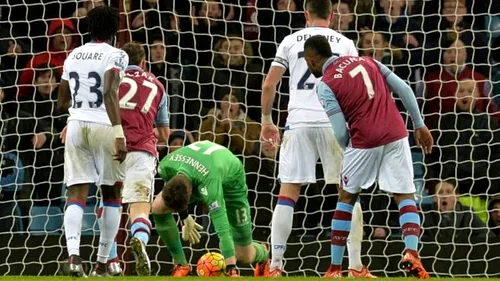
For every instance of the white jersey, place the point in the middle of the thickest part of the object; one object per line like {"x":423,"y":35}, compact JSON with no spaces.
{"x":84,"y":70}
{"x":304,"y":108}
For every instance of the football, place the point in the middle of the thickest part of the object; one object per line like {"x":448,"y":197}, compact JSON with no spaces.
{"x":211,"y":264}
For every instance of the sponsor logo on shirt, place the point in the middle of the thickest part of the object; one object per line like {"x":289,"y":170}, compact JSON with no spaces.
{"x":214,"y":206}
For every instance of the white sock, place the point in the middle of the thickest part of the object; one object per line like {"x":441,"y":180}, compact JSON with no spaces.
{"x":280,"y":230}
{"x":355,"y":238}
{"x":111,"y":213}
{"x":73,"y":217}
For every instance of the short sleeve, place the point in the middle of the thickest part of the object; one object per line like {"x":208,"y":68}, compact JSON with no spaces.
{"x":65,"y":74}
{"x":327,"y":99}
{"x":281,"y":58}
{"x":162,"y":118}
{"x":117,"y":60}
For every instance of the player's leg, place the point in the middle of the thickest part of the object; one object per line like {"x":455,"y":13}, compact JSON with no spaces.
{"x":137,"y":191}
{"x":78,"y":172}
{"x":359,"y":171}
{"x":169,"y":232}
{"x":331,"y":156}
{"x":396,"y":176}
{"x":101,"y":140}
{"x":297,"y":166}
{"x":113,"y":263}
{"x":238,"y":214}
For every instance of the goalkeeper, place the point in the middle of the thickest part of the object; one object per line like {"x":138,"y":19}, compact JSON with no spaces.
{"x":209,"y":173}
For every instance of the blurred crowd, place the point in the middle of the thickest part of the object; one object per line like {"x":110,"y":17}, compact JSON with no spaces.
{"x":212,"y":56}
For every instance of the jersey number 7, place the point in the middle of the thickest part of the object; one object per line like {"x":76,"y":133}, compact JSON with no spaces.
{"x":125,"y":102}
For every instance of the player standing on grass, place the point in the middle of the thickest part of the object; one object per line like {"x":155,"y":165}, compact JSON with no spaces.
{"x":143,"y":104}
{"x":209,"y":173}
{"x":95,"y":142}
{"x":308,"y":133}
{"x":355,"y":89}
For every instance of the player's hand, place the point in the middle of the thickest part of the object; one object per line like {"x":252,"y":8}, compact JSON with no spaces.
{"x":190,"y":230}
{"x":120,"y":150}
{"x":38,"y":140}
{"x":63,"y":134}
{"x":270,"y":134}
{"x":424,"y":139}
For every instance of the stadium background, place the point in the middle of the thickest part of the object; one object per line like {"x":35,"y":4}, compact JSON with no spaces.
{"x":212,"y":56}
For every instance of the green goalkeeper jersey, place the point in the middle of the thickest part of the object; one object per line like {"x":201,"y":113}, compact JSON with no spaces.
{"x":218,"y":180}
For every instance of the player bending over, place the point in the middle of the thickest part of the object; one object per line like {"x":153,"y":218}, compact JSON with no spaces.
{"x":356,"y":90}
{"x":209,"y":173}
{"x":95,"y":142}
{"x":308,"y":133}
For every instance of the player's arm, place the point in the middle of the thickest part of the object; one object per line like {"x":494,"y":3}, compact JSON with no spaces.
{"x":334,"y":112}
{"x":405,"y":93}
{"x":269,"y":131}
{"x":218,"y":216}
{"x":162,"y":121}
{"x":64,"y":94}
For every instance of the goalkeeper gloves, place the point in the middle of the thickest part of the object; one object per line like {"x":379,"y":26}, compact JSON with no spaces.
{"x":190,"y":230}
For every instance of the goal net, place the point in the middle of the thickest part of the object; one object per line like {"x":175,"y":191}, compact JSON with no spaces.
{"x":212,"y":56}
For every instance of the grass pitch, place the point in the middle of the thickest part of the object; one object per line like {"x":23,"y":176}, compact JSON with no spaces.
{"x":162,"y":278}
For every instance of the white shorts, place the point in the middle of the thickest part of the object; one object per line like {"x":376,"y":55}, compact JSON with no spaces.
{"x":88,"y":154}
{"x":140,"y":170}
{"x":390,"y":164}
{"x":300,"y":149}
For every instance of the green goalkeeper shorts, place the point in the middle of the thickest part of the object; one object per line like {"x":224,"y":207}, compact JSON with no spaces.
{"x":238,"y":212}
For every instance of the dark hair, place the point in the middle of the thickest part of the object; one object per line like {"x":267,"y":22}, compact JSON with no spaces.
{"x":320,"y":45}
{"x":135,"y":53}
{"x":103,"y":23}
{"x":320,"y":8}
{"x":43,"y":68}
{"x":176,"y":193}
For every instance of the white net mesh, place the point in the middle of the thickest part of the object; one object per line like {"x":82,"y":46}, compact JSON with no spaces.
{"x":208,"y":53}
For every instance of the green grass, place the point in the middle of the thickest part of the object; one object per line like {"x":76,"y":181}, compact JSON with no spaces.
{"x":161,"y":278}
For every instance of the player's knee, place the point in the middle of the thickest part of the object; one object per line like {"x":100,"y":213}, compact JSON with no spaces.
{"x":291,"y":190}
{"x":78,"y":191}
{"x":244,"y":254}
{"x":110,"y":192}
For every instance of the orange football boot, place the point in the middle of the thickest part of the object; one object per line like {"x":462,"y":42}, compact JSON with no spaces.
{"x":333,"y":273}
{"x":181,"y":270}
{"x":262,"y":268}
{"x":275,"y":273}
{"x":412,"y":264}
{"x":364,"y":273}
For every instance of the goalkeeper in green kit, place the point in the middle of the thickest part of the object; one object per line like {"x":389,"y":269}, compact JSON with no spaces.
{"x":209,"y":173}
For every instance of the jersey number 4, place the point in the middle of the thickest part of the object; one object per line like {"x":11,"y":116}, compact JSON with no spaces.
{"x":94,"y":89}
{"x":125,"y":102}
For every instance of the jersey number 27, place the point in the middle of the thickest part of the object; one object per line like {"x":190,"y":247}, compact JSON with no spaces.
{"x":125,"y":102}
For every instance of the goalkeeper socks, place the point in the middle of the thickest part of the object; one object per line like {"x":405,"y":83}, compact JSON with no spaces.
{"x":141,"y":228}
{"x":73,"y":225}
{"x":341,"y":226}
{"x":410,"y":225}
{"x":261,"y":253}
{"x":280,"y":229}
{"x":355,"y":238}
{"x":169,"y":233}
{"x":111,"y":214}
